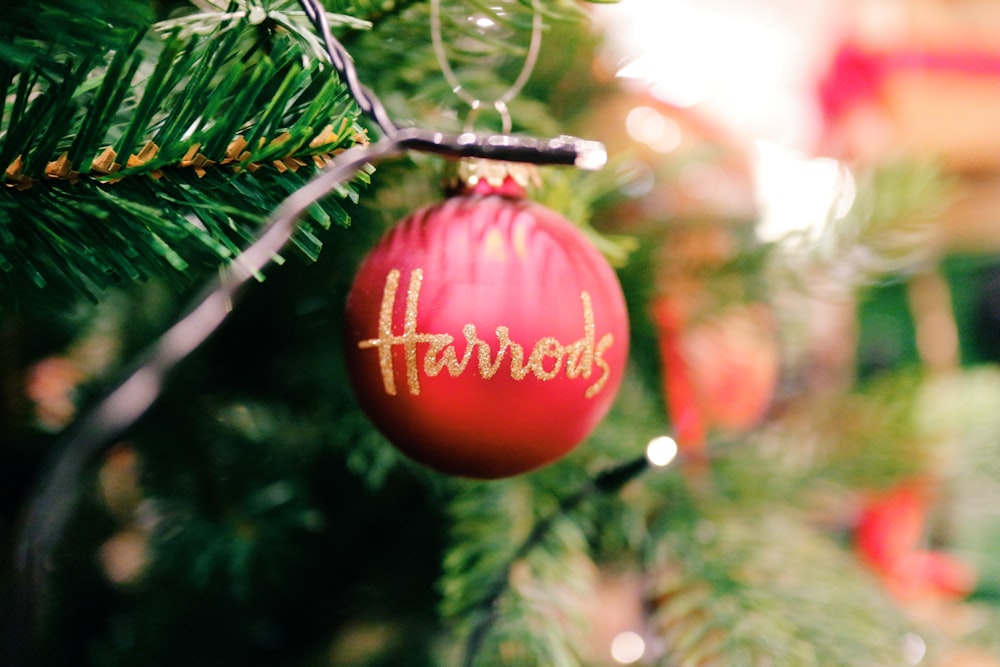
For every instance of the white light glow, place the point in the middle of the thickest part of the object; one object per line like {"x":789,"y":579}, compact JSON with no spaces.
{"x":690,"y":52}
{"x":648,"y":126}
{"x":798,"y":195}
{"x":914,"y":648}
{"x":661,"y":451}
{"x":751,"y":65}
{"x":627,"y":647}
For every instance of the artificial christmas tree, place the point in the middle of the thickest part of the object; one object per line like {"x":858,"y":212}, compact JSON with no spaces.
{"x":199,"y":485}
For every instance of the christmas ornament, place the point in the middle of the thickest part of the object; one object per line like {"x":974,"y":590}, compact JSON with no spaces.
{"x":888,"y":537}
{"x":486,"y":336}
{"x":719,"y":372}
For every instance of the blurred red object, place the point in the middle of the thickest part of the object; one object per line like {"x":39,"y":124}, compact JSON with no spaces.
{"x":719,"y":372}
{"x":927,"y":101}
{"x":50,"y":385}
{"x":888,"y":537}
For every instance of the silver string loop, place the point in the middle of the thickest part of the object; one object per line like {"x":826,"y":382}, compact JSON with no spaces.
{"x":461,"y":91}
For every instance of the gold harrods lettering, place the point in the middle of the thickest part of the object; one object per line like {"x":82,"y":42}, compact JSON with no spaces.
{"x":579,"y":358}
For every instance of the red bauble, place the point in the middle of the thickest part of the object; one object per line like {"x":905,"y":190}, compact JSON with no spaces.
{"x":718,"y":373}
{"x":486,"y":336}
{"x":888,"y":536}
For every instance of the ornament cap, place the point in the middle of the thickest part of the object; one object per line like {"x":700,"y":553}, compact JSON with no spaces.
{"x":481,"y":176}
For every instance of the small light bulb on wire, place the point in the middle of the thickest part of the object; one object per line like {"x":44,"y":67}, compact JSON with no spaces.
{"x":661,"y":451}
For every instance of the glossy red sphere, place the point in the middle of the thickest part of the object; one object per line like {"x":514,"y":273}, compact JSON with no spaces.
{"x":486,"y":336}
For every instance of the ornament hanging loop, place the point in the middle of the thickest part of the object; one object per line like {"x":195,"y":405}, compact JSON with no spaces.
{"x":562,"y":150}
{"x":500,"y":103}
{"x":506,"y":125}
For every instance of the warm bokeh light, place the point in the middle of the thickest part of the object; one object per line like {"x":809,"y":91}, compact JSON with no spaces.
{"x":648,"y":126}
{"x":627,"y":648}
{"x":798,"y":195}
{"x":661,"y":451}
{"x":749,"y":65}
{"x":914,"y":648}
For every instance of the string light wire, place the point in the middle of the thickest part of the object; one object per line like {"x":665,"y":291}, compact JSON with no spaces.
{"x":562,"y":150}
{"x":608,"y":481}
{"x":133,"y":396}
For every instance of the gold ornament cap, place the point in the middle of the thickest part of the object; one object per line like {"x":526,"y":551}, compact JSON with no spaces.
{"x":482,"y":176}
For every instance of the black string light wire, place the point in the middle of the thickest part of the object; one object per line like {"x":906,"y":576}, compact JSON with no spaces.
{"x":660,"y":453}
{"x":563,"y":150}
{"x":344,"y":64}
{"x":119,"y":410}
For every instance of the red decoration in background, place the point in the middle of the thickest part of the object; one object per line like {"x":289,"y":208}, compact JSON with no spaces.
{"x":888,"y":535}
{"x":50,"y":384}
{"x":931,"y":100}
{"x":486,"y":336}
{"x":718,"y":373}
{"x":857,"y":75}
{"x":680,"y":393}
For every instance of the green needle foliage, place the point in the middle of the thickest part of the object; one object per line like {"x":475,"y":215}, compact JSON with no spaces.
{"x":752,"y":589}
{"x":134,"y":150}
{"x":279,"y":524}
{"x":514,"y":583}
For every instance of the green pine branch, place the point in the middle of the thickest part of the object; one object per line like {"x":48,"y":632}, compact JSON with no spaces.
{"x":888,"y":229}
{"x":512,"y":583}
{"x":749,"y":588}
{"x":153,"y":152}
{"x":398,"y":60}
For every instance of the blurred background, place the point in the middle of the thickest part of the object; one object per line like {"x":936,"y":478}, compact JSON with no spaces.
{"x":802,"y":204}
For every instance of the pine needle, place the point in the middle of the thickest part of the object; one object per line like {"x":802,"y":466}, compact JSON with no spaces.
{"x":761,"y":588}
{"x":171,"y":142}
